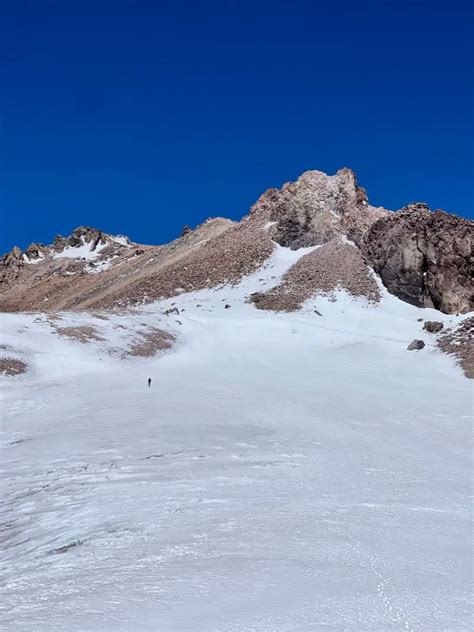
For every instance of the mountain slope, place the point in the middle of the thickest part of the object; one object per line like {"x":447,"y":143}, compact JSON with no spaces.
{"x":293,"y":465}
{"x":423,"y":258}
{"x":284,"y":471}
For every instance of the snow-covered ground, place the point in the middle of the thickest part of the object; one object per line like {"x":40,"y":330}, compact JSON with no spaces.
{"x":284,"y":472}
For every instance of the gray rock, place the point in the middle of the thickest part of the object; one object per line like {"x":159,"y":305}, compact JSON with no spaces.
{"x":416,"y":345}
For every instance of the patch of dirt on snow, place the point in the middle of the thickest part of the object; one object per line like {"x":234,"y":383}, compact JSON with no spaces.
{"x":12,"y":366}
{"x":54,"y":317}
{"x":83,"y":333}
{"x":459,"y":342}
{"x":151,"y":342}
{"x":335,"y":264}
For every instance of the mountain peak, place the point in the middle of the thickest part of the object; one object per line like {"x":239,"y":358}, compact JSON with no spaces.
{"x":421,"y":257}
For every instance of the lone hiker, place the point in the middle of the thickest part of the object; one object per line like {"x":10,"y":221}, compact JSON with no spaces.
{"x":149,"y":382}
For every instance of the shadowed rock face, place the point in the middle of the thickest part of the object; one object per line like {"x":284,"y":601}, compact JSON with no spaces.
{"x":424,"y":258}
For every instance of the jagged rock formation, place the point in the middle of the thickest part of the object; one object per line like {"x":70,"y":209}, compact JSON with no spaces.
{"x":317,"y":208}
{"x":423,"y":258}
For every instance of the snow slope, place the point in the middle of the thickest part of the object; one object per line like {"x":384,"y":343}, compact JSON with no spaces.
{"x":284,"y":472}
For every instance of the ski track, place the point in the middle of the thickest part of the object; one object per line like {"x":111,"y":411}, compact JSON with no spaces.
{"x":284,"y":473}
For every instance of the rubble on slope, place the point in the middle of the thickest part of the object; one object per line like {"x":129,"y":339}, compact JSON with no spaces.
{"x":321,"y":271}
{"x":459,"y":342}
{"x":11,"y":367}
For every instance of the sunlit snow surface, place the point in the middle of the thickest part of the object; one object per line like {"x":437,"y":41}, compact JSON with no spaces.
{"x":283,"y":473}
{"x":84,"y":251}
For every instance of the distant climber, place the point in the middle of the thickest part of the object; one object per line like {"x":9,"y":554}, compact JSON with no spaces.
{"x":149,"y":382}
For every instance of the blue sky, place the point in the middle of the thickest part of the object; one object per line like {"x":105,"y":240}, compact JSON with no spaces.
{"x":140,"y":117}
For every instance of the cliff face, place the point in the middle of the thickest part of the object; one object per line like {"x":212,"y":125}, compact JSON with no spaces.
{"x":423,"y":258}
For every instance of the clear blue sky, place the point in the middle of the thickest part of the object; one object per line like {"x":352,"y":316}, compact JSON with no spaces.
{"x":138,"y":117}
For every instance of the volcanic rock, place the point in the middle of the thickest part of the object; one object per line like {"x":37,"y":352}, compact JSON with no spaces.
{"x":317,"y":208}
{"x":433,"y":326}
{"x":416,"y":345}
{"x":424,"y":258}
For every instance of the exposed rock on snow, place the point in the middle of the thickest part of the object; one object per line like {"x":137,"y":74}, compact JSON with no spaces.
{"x":459,"y":341}
{"x":151,"y":342}
{"x":433,"y":326}
{"x":12,"y":366}
{"x":83,"y":333}
{"x":416,"y":345}
{"x":321,"y":271}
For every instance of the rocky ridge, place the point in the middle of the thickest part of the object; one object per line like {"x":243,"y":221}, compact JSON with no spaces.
{"x":423,"y":258}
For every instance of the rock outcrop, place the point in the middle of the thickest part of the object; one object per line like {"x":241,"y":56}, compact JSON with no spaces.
{"x":424,"y":258}
{"x":11,"y":265}
{"x":80,"y":236}
{"x":317,"y":208}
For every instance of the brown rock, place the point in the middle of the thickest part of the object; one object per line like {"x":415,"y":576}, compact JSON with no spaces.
{"x":317,"y":208}
{"x":424,"y":258}
{"x":12,"y":366}
{"x":35,"y":251}
{"x":433,"y":326}
{"x":459,"y":342}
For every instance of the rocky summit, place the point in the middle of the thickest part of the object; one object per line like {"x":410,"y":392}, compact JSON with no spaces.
{"x":420,"y":256}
